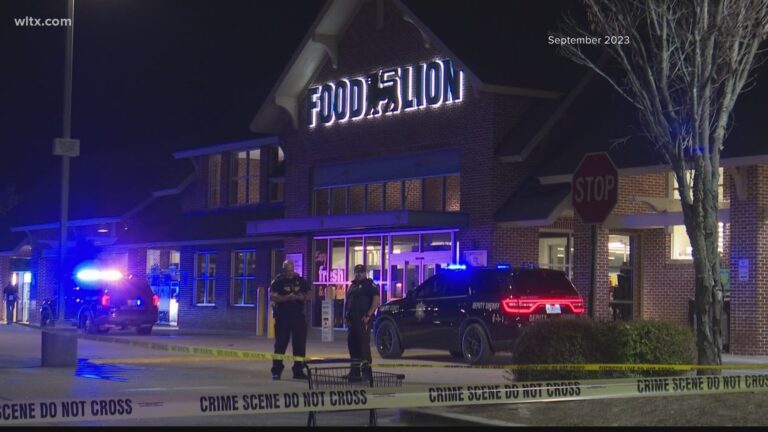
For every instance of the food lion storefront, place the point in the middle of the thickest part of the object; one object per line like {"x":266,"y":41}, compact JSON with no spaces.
{"x":389,"y":147}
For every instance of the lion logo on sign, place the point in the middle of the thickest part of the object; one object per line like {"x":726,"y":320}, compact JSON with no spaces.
{"x":376,"y":94}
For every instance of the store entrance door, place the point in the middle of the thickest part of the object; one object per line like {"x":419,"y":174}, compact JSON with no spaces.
{"x":408,"y":270}
{"x":22,"y":280}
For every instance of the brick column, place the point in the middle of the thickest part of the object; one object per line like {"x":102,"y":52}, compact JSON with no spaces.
{"x":514,"y":246}
{"x":582,"y":265}
{"x":5,"y":278}
{"x":186,"y":287}
{"x":137,"y":262}
{"x":749,"y":244}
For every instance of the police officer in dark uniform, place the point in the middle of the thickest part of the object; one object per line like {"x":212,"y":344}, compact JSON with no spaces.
{"x":362,"y":301}
{"x":288,"y":293}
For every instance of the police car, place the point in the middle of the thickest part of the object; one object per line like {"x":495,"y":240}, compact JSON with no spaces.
{"x":98,"y":300}
{"x":473,"y":313}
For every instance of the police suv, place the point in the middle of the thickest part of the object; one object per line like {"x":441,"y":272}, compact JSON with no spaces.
{"x":99,"y":300}
{"x":473,"y":313}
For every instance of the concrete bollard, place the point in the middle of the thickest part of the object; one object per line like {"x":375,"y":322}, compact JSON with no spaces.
{"x":59,"y":348}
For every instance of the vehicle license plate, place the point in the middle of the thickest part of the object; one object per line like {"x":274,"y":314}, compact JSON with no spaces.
{"x":553,"y":309}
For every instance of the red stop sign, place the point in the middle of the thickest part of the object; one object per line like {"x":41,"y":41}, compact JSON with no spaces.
{"x":595,"y":187}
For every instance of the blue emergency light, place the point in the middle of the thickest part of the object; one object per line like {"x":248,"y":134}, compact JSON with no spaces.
{"x":92,"y":275}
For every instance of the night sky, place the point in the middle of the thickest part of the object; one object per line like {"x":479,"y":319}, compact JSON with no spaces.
{"x":149,"y":75}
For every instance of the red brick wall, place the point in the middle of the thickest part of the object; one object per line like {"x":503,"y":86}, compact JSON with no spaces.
{"x":667,"y":285}
{"x":582,"y":267}
{"x":44,"y":281}
{"x":515,"y":246}
{"x":195,"y":197}
{"x":649,"y":185}
{"x":468,"y":126}
{"x":749,"y":299}
{"x":224,"y":315}
{"x":302,"y":245}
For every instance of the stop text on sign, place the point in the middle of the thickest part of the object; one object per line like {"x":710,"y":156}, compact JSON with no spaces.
{"x":593,"y":189}
{"x":386,"y":91}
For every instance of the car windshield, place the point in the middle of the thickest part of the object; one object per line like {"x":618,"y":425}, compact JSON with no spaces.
{"x":542,"y":282}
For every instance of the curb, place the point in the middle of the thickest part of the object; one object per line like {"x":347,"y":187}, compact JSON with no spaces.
{"x":429,"y":416}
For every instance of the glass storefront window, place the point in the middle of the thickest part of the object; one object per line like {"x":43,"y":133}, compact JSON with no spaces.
{"x":413,"y":194}
{"x":394,"y":195}
{"x":319,"y":274}
{"x":433,"y":194}
{"x":205,"y":278}
{"x":214,"y":180}
{"x":375,"y":200}
{"x":452,"y":193}
{"x":338,"y":271}
{"x":689,"y":176}
{"x":681,"y":243}
{"x":245,"y":169}
{"x":339,"y":200}
{"x":356,"y":199}
{"x":322,"y":202}
{"x":395,"y":275}
{"x":243,"y":278}
{"x":397,"y":281}
{"x":355,"y":255}
{"x":618,"y":251}
{"x":375,"y":261}
{"x":436,"y":242}
{"x":554,"y":252}
{"x":620,"y":273}
{"x":428,"y":194}
{"x":405,"y":243}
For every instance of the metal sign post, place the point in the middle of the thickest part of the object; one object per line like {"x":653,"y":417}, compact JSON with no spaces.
{"x":594,"y":193}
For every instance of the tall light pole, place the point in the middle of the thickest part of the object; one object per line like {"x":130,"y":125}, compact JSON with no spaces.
{"x":66,"y":147}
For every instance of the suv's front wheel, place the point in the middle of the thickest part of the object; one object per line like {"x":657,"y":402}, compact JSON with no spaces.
{"x":388,"y":341}
{"x":475,"y":345}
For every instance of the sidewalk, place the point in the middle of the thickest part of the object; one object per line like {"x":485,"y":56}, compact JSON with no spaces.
{"x":110,"y":368}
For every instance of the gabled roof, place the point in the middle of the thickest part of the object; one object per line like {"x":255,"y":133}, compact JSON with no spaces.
{"x":502,"y":47}
{"x":163,"y":222}
{"x":534,"y":204}
{"x":606,"y":122}
{"x":104,"y":184}
{"x":228,"y":147}
{"x":504,"y":42}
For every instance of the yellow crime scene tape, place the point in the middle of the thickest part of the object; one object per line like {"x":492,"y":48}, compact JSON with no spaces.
{"x":256,"y":355}
{"x":358,"y":398}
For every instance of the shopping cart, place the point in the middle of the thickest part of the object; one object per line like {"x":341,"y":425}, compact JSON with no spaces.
{"x":345,"y":377}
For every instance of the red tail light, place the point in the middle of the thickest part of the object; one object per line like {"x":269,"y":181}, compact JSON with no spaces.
{"x":577,"y":306}
{"x":155,"y":300}
{"x":105,"y":300}
{"x":518,"y":305}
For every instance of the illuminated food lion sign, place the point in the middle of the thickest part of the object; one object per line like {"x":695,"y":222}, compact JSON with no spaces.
{"x":387,"y":91}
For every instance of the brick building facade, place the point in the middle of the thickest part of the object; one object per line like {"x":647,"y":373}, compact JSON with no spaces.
{"x":369,"y":191}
